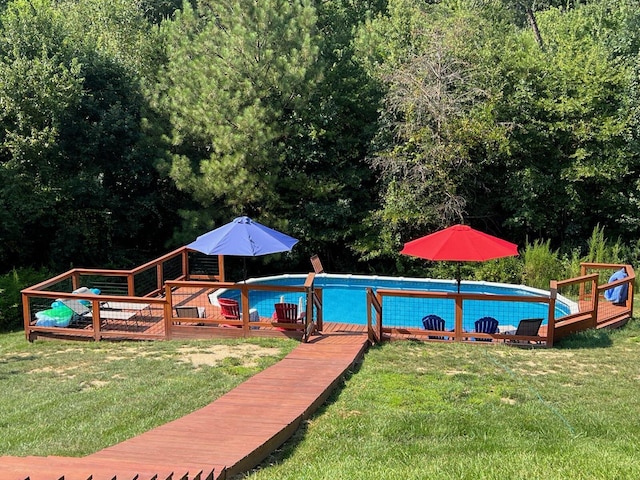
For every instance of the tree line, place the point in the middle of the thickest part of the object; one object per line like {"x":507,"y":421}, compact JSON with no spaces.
{"x":130,"y":127}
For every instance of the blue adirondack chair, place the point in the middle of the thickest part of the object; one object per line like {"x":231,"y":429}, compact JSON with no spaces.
{"x":486,"y":325}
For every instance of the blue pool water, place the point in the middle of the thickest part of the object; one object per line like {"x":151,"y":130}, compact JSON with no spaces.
{"x":344,"y":300}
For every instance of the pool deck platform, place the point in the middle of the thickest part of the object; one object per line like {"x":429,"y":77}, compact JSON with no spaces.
{"x":231,"y":435}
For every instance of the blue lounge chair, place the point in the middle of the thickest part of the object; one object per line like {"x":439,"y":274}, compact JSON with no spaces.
{"x":485,"y":325}
{"x":434,"y":322}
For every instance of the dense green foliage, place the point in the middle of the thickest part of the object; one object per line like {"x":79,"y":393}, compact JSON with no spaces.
{"x":128,"y":128}
{"x":10,"y":300}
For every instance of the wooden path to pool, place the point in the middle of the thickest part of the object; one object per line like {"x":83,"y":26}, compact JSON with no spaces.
{"x":231,"y":435}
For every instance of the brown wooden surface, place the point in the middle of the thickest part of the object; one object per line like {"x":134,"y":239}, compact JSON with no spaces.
{"x":230,"y":435}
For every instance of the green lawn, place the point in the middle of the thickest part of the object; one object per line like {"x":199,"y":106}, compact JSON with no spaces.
{"x":75,"y":398}
{"x":411,"y":411}
{"x":464,"y":411}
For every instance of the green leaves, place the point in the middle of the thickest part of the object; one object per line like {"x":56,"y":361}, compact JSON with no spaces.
{"x":236,"y":70}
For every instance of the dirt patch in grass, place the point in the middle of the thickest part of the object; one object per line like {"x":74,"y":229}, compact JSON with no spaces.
{"x":212,"y":356}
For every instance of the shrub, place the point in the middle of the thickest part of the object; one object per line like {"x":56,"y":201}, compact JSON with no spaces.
{"x":601,"y":250}
{"x":10,"y":299}
{"x":541,"y":265}
{"x":502,"y":270}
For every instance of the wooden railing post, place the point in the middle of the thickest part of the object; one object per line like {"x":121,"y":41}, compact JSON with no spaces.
{"x":159,"y":277}
{"x":632,"y":283}
{"x":457,"y":334}
{"x":581,"y":292}
{"x":244,"y":296}
{"x":75,"y":280}
{"x":594,"y":303}
{"x":318,"y":301}
{"x":185,"y":264}
{"x":551,"y":323}
{"x":26,"y":316}
{"x":369,"y":320}
{"x":374,"y":322}
{"x":95,"y":319}
{"x":380,"y":314}
{"x":131,"y":287}
{"x":221,"y":268}
{"x":168,"y":323}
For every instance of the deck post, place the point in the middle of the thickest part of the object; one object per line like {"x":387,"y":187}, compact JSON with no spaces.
{"x":632,"y":284}
{"x":75,"y":280}
{"x":221,"y":268}
{"x":130,"y":285}
{"x":159,"y":277}
{"x":95,"y":319}
{"x":244,"y":297}
{"x":185,"y":264}
{"x":308,"y":314}
{"x":457,"y":334}
{"x":26,"y":316}
{"x":581,"y":292}
{"x":551,"y":323}
{"x":594,"y":302}
{"x":317,"y":294}
{"x":168,"y":324}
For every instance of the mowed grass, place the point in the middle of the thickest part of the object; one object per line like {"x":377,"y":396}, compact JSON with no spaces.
{"x":465,"y":411}
{"x":75,"y":398}
{"x":411,"y":411}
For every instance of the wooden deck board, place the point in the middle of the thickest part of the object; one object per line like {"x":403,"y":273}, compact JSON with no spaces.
{"x":232,"y":434}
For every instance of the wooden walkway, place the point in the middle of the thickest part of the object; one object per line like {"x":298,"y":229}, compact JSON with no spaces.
{"x":231,"y":435}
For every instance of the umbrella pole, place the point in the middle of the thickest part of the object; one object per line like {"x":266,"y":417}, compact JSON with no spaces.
{"x":458,"y":277}
{"x":244,"y":269}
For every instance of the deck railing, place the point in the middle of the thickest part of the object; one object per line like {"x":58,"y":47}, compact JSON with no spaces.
{"x":140,"y":303}
{"x":202,"y":298}
{"x":424,"y":302}
{"x":129,"y":288}
{"x":587,"y":291}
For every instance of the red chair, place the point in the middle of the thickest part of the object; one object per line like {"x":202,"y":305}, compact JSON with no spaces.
{"x":229,"y":308}
{"x":286,"y":312}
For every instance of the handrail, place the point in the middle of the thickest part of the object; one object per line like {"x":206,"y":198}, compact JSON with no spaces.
{"x":159,"y":260}
{"x":576,"y":280}
{"x":309,"y":325}
{"x":594,"y":312}
{"x":374,"y":328}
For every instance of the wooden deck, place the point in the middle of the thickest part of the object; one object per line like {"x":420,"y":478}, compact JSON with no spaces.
{"x":231,"y":435}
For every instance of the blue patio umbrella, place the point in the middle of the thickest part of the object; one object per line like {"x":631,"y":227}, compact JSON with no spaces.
{"x":243,"y":237}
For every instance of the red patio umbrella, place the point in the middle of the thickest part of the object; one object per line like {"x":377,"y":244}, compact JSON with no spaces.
{"x":460,"y":243}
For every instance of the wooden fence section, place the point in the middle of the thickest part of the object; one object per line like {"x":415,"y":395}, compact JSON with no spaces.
{"x":149,"y":303}
{"x":155,"y":309}
{"x":587,"y":292}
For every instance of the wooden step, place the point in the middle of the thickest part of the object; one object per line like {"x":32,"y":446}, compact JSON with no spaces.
{"x":71,"y":468}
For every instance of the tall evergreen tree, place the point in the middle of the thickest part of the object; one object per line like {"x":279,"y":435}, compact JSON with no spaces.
{"x":237,"y":73}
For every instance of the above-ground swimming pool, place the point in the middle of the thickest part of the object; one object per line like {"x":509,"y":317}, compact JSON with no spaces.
{"x":344,"y":300}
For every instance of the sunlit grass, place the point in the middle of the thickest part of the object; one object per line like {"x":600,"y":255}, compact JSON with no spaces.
{"x":411,"y":411}
{"x":72,"y":399}
{"x":416,"y":411}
